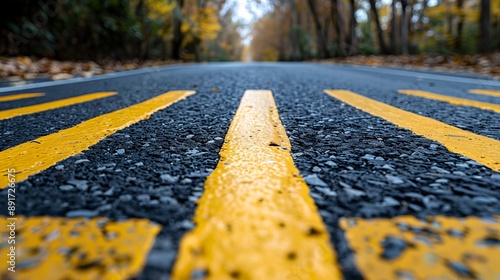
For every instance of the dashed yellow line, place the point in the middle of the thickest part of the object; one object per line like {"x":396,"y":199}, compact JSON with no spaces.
{"x":479,"y":148}
{"x":62,"y":248}
{"x":438,"y":248}
{"x":453,"y":100}
{"x":7,"y":114}
{"x":35,"y":156}
{"x":486,"y":92}
{"x":20,"y":96}
{"x":256,"y":219}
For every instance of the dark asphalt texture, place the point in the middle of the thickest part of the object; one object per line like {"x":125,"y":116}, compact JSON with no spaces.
{"x":356,"y":165}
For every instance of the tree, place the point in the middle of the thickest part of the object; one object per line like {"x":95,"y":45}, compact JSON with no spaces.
{"x":404,"y":27}
{"x":320,"y":38}
{"x":380,"y":34}
{"x":353,"y":50}
{"x":394,"y":28}
{"x":484,"y":40}
{"x":338,"y":24}
{"x":178,"y":35}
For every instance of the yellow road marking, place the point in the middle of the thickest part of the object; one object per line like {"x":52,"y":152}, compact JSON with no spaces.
{"x":35,"y":156}
{"x":486,"y":92}
{"x":479,"y":148}
{"x":256,"y":219}
{"x":453,"y":100}
{"x":7,"y":114}
{"x":20,"y":96}
{"x":63,"y":248}
{"x":439,"y":248}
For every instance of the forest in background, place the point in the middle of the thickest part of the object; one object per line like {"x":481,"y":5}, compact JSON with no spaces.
{"x":189,"y":30}
{"x":211,"y":30}
{"x":295,"y":30}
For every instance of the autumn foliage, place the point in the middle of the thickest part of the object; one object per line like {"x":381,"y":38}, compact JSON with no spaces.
{"x":307,"y":29}
{"x":99,"y":30}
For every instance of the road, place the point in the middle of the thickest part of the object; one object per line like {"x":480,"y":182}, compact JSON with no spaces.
{"x":388,"y":173}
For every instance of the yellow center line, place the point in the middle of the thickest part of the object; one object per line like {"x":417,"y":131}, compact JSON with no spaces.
{"x":64,"y":248}
{"x":479,"y":148}
{"x":35,"y":156}
{"x":453,"y":100}
{"x":256,"y":219}
{"x":7,"y":114}
{"x":20,"y":96}
{"x":437,"y":248}
{"x":486,"y":92}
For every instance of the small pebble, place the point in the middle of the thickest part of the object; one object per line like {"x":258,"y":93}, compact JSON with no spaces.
{"x":66,"y":188}
{"x":394,"y":179}
{"x":125,"y":197}
{"x":167,"y":178}
{"x":143,"y":197}
{"x":314,"y":180}
{"x":81,"y":213}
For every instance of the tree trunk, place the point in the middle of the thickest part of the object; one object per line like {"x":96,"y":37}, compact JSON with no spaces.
{"x":404,"y":27}
{"x":178,"y":36}
{"x":322,"y":45}
{"x":460,"y":26}
{"x":484,"y":40}
{"x":353,"y":49}
{"x":338,"y":24}
{"x":394,"y":28}
{"x":380,"y":34}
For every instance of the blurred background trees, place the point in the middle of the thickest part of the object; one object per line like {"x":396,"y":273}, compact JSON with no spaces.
{"x":305,"y":29}
{"x":191,"y":30}
{"x":212,"y":30}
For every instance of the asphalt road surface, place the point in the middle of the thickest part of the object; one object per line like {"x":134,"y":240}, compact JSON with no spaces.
{"x":407,"y":189}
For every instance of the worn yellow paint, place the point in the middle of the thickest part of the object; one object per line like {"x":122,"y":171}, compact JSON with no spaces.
{"x":433,"y":248}
{"x":7,"y":114}
{"x":256,"y":219}
{"x":63,"y":248}
{"x":35,"y":156}
{"x":486,"y":92}
{"x":453,"y":100}
{"x":20,"y":96}
{"x":479,"y":148}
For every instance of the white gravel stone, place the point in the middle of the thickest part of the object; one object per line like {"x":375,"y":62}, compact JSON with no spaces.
{"x":314,"y":180}
{"x":167,"y":178}
{"x":186,"y":181}
{"x":440,"y":170}
{"x":79,"y":184}
{"x":331,"y":164}
{"x":81,"y":213}
{"x":143,"y":197}
{"x":368,"y":157}
{"x":390,"y":201}
{"x":326,"y":191}
{"x":125,"y":197}
{"x":394,"y":179}
{"x":168,"y":200}
{"x":66,"y":188}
